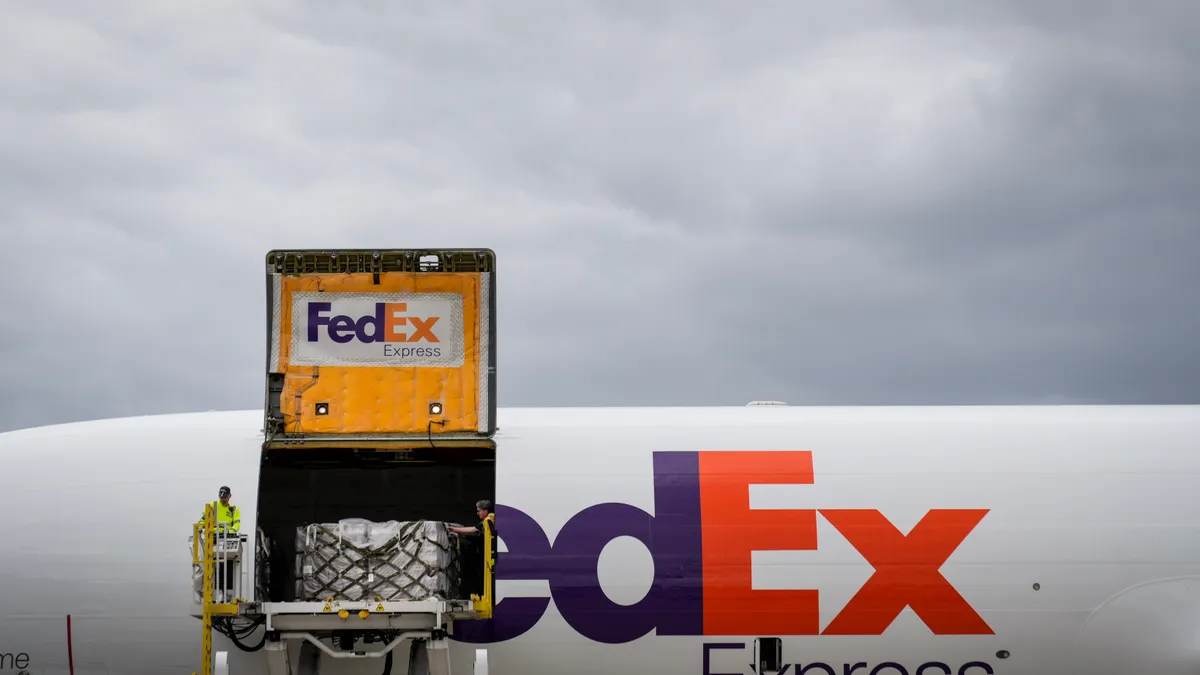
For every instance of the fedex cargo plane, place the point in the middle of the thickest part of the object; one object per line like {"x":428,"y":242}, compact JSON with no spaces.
{"x":869,"y":541}
{"x":765,"y":540}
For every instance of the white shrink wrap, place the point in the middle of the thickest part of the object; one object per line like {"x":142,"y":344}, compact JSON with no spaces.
{"x":357,"y":559}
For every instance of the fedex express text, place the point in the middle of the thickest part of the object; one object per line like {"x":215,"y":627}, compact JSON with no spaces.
{"x":815,"y":667}
{"x":701,"y":537}
{"x":388,"y":329}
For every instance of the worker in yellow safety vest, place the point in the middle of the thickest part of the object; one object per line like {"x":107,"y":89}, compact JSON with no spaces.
{"x":229,"y":522}
{"x":229,"y":517}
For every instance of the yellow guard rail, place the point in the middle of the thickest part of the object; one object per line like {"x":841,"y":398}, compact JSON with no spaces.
{"x":483,"y":605}
{"x":202,"y":554}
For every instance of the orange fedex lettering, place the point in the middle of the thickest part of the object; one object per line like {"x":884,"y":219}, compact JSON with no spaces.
{"x":906,"y":572}
{"x":906,"y":566}
{"x":394,"y":321}
{"x":732,"y":531}
{"x":423,"y":329}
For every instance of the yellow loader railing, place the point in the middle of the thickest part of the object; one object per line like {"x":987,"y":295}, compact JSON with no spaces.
{"x":214,"y":565}
{"x":483,"y":604}
{"x":202,"y":555}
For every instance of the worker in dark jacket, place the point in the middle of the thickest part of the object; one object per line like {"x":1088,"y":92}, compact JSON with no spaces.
{"x":483,"y":509}
{"x":473,"y":568}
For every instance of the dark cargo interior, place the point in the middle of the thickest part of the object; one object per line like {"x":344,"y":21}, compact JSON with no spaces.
{"x":302,"y":486}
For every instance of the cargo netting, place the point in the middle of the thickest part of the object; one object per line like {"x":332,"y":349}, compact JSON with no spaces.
{"x":357,"y":559}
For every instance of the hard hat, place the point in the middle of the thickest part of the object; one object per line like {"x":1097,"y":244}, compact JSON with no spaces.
{"x":224,"y":491}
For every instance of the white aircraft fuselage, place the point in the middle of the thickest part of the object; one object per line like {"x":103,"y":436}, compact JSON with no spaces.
{"x":1021,"y":540}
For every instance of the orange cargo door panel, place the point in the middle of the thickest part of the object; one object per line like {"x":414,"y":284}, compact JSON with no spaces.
{"x":377,"y":344}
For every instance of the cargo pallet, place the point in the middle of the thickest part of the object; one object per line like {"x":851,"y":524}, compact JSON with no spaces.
{"x":319,"y":398}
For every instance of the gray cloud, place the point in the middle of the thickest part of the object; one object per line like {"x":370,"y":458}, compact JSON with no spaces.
{"x":691,"y":203}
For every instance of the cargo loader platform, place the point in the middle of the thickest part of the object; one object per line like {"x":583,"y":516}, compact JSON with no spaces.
{"x":336,"y":616}
{"x":379,"y":419}
{"x":352,"y":626}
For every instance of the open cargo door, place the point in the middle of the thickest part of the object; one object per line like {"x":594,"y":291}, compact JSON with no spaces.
{"x":381,"y":345}
{"x":380,"y":403}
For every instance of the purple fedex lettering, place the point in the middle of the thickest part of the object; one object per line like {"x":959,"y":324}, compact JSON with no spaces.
{"x":674,"y":605}
{"x":526,"y":559}
{"x":343,"y":329}
{"x":315,"y":320}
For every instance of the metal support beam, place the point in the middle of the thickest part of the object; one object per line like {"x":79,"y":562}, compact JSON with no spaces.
{"x":416,"y":636}
{"x":418,"y":658}
{"x":278,"y":662}
{"x":310,"y":660}
{"x":439,"y":657}
{"x":427,"y":656}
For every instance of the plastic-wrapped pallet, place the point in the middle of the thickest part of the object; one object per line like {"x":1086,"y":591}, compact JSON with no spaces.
{"x":262,"y":565}
{"x":356,"y":559}
{"x":197,"y":584}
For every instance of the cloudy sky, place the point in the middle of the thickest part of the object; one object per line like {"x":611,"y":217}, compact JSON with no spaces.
{"x":691,"y":202}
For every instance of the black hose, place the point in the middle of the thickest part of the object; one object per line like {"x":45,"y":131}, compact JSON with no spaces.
{"x":225,"y":626}
{"x":385,"y":637}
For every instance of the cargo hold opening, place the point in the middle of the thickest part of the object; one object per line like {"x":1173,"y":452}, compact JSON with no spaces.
{"x":299,"y":487}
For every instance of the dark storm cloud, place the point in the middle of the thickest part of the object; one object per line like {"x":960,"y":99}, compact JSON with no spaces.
{"x":692,"y":203}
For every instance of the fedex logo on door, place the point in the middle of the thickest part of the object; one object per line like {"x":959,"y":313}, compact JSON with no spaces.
{"x":377,"y":329}
{"x":701,"y":538}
